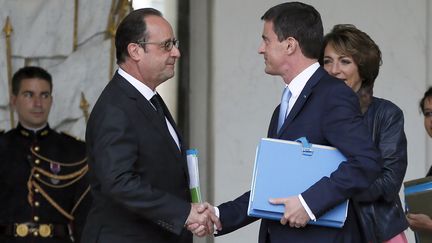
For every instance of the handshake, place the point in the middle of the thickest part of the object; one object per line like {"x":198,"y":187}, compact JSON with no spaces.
{"x":202,"y":219}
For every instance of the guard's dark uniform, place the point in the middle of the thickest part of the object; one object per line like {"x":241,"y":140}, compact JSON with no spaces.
{"x":43,"y":190}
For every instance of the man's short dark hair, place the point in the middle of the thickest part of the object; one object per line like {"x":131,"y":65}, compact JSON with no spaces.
{"x":132,"y":29}
{"x":28,"y":73}
{"x":299,"y":21}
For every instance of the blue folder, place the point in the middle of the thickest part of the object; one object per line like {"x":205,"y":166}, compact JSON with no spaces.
{"x":287,"y":168}
{"x":418,"y":185}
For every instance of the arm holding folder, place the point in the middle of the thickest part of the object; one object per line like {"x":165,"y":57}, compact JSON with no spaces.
{"x":420,"y":222}
{"x":286,"y":169}
{"x":328,"y":117}
{"x":418,"y":200}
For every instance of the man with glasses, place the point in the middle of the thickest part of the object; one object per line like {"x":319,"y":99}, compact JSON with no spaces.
{"x":44,"y":193}
{"x":138,"y":170}
{"x":166,"y":45}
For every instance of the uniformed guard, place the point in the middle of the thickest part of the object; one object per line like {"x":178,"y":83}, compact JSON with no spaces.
{"x":44,"y":192}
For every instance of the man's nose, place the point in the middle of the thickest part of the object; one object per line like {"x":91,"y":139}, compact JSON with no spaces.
{"x":261,"y":48}
{"x":37,"y":101}
{"x":175,"y":52}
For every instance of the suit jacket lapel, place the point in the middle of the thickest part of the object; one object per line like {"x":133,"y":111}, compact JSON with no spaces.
{"x":147,"y":109}
{"x":144,"y":105}
{"x":272,"y":131}
{"x":301,"y":100}
{"x":173,"y":143}
{"x":171,"y":120}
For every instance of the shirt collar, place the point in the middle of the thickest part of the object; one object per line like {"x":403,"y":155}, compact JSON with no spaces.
{"x":140,"y":86}
{"x":297,"y":84}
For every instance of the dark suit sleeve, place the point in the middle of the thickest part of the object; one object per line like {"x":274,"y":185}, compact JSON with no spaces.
{"x":343,"y":128}
{"x":233,"y":214}
{"x":390,"y":136}
{"x":115,"y":152}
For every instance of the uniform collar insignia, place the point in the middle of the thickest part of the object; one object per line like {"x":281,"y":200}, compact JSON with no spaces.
{"x":24,"y":132}
{"x":44,"y":132}
{"x":27,"y":132}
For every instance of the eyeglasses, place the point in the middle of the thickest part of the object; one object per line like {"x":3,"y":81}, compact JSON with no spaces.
{"x":166,"y":45}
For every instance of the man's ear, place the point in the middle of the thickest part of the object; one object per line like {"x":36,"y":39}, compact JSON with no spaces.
{"x":133,"y":50}
{"x":12,"y":101}
{"x":292,"y":44}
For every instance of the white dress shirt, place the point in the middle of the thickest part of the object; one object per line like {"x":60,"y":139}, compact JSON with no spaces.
{"x":296,"y":87}
{"x":148,"y":94}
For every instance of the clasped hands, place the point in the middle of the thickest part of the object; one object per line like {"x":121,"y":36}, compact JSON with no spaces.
{"x":202,"y":219}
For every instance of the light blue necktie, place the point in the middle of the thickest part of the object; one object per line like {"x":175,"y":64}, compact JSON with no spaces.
{"x":283,"y":107}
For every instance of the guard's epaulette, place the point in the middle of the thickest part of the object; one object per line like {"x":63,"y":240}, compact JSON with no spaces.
{"x":70,"y":136}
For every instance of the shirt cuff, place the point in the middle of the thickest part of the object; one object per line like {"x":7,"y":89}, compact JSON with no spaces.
{"x":306,"y":207}
{"x":216,"y":209}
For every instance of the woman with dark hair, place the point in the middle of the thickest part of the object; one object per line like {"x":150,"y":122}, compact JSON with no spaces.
{"x":351,"y":55}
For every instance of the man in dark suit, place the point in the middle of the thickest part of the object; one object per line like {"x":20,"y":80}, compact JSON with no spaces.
{"x":44,"y":192}
{"x":322,"y":109}
{"x":138,"y":170}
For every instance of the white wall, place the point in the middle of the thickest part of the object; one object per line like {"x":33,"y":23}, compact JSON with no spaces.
{"x":241,"y":97}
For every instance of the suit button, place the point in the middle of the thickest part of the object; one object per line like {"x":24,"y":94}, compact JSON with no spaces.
{"x":37,"y":204}
{"x":37,"y":161}
{"x":36,"y":148}
{"x":36,"y":218}
{"x":36,"y":190}
{"x":35,"y":233}
{"x":37,"y":175}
